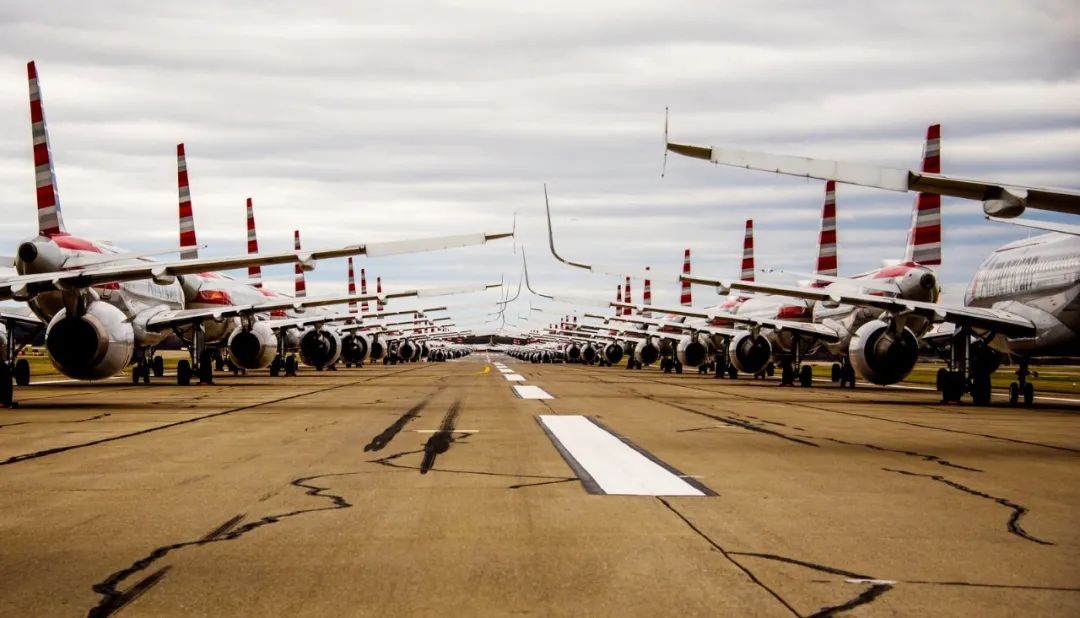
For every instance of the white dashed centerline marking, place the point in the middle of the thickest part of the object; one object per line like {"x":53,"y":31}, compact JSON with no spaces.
{"x":608,"y":464}
{"x":532,"y":392}
{"x":514,"y":377}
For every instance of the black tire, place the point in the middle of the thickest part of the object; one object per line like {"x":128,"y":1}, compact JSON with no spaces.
{"x":206,"y":369}
{"x":787,"y":375}
{"x":836,"y":373}
{"x":135,"y":371}
{"x":183,"y":372}
{"x":159,"y":366}
{"x":7,"y":387}
{"x":848,"y":376}
{"x":145,"y":374}
{"x":1029,"y":393}
{"x":941,"y":376}
{"x":22,"y":372}
{"x":290,"y":365}
{"x":732,"y":372}
{"x":981,"y":390}
{"x":806,"y":376}
{"x":1014,"y":393}
{"x":678,"y":367}
{"x":953,"y":387}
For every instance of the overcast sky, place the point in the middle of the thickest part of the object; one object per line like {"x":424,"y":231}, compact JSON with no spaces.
{"x":366,"y":121}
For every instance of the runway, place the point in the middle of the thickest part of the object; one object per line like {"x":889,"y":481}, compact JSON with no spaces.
{"x":449,"y":489}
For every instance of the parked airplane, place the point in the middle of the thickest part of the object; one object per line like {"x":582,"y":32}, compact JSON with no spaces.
{"x":105,"y":307}
{"x":1023,"y":300}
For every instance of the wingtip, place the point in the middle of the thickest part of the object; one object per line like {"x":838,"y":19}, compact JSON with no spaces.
{"x":31,"y":70}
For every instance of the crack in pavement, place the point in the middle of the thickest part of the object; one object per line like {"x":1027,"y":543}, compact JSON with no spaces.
{"x":61,"y":449}
{"x":1018,"y":511}
{"x":727,"y":420}
{"x":924,"y":456}
{"x":113,"y":599}
{"x":78,"y":420}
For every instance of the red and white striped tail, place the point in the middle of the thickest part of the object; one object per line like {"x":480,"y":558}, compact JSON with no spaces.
{"x":924,"y":239}
{"x":626,"y":311}
{"x":747,"y":273}
{"x":188,"y":244}
{"x":685,"y":298}
{"x":352,"y":289}
{"x":363,"y":289}
{"x":50,"y":218}
{"x":378,"y":290}
{"x":254,"y":272}
{"x":826,"y":255}
{"x":301,"y":285}
{"x":618,"y":298}
{"x":647,"y":299}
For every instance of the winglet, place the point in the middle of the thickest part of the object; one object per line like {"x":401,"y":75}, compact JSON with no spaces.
{"x":663,"y":167}
{"x":50,"y":218}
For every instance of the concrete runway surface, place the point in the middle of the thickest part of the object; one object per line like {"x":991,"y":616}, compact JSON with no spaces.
{"x":436,"y":489}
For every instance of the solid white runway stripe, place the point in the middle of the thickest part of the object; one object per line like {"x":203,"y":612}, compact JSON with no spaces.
{"x":532,"y":392}
{"x":611,"y":464}
{"x":514,"y":377}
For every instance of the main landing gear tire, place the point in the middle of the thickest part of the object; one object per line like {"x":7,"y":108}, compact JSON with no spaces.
{"x":22,"y":372}
{"x":159,"y":366}
{"x":952,"y":386}
{"x":836,"y":372}
{"x":183,"y":372}
{"x":275,"y":367}
{"x":980,"y":390}
{"x":806,"y":376}
{"x":1029,"y":393}
{"x":7,"y":388}
{"x":290,"y":366}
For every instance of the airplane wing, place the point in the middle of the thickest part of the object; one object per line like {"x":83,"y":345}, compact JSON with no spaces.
{"x":813,"y":329}
{"x":997,"y":320}
{"x":170,"y":319}
{"x":24,"y":287}
{"x":14,"y":315}
{"x":1000,"y":200}
{"x":680,"y":326}
{"x":1046,"y":226}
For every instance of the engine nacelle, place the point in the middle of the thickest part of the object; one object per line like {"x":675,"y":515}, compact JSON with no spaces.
{"x":255,"y":348}
{"x":354,"y":347}
{"x":646,"y":353}
{"x":406,"y":351}
{"x":320,"y":347}
{"x":749,"y":353}
{"x":613,"y":353}
{"x":96,"y":345}
{"x":692,"y":353}
{"x":588,"y":354}
{"x":378,"y":350}
{"x":881,"y":355}
{"x":573,"y":353}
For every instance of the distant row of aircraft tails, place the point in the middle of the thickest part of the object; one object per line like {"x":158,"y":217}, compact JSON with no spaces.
{"x":1022,"y":302}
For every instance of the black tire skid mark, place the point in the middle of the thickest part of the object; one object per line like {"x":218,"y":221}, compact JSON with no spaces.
{"x":730,"y":420}
{"x":380,"y":441}
{"x":61,"y":449}
{"x":113,"y":599}
{"x":1018,"y":511}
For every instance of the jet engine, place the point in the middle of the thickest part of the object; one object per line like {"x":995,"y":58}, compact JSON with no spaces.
{"x":882,"y":355}
{"x":406,"y":351}
{"x":320,"y":347}
{"x":750,"y":353}
{"x":692,"y":353}
{"x":588,"y":354}
{"x":613,"y":353}
{"x":354,"y":347}
{"x":255,"y":348}
{"x":95,"y":345}
{"x":378,"y":350}
{"x":573,"y":353}
{"x":646,"y":353}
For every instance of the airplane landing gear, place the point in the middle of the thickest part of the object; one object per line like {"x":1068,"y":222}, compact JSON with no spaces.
{"x":1022,"y":387}
{"x":183,"y":372}
{"x":159,"y":366}
{"x":7,"y":386}
{"x":970,"y":366}
{"x":806,"y":376}
{"x":290,"y":365}
{"x":845,"y":373}
{"x":22,"y":372}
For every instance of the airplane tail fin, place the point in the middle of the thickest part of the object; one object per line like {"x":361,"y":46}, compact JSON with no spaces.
{"x":378,"y":290}
{"x":50,"y":218}
{"x":189,"y":249}
{"x":301,"y":284}
{"x":618,"y":298}
{"x":747,"y":273}
{"x":254,"y":272}
{"x":826,"y":254}
{"x":626,"y":310}
{"x":352,"y":288}
{"x":924,"y":239}
{"x":647,"y":299}
{"x":363,"y":289}
{"x":685,"y":298}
